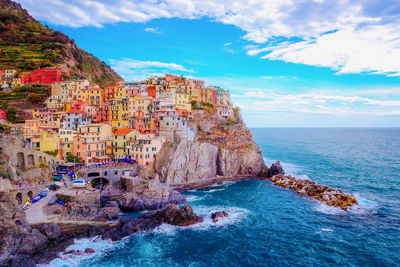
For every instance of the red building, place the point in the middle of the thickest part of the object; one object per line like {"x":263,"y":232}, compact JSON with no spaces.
{"x":109,"y":92}
{"x":3,"y":115}
{"x":44,"y":76}
{"x":151,"y":91}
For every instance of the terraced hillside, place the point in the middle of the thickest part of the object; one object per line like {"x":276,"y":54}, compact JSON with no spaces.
{"x":26,"y":44}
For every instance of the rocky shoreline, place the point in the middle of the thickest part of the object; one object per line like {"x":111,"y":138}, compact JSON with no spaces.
{"x":43,"y":243}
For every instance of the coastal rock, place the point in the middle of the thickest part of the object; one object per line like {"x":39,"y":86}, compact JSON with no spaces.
{"x":89,"y":251}
{"x":221,"y":148}
{"x":18,"y":240}
{"x":330,"y":196}
{"x":149,"y":195}
{"x":109,"y":213}
{"x":52,"y":231}
{"x":190,"y":161}
{"x":170,"y":214}
{"x":174,"y":215}
{"x":218,"y":214}
{"x":275,"y":169}
{"x":240,"y":161}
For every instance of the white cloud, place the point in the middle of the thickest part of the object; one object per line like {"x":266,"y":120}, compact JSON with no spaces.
{"x":152,"y":30}
{"x":132,"y":69}
{"x":338,"y":105}
{"x":349,"y":36}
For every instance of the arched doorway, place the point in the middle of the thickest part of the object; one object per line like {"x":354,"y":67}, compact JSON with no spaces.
{"x":30,"y":194}
{"x":20,"y":160}
{"x":19,"y":198}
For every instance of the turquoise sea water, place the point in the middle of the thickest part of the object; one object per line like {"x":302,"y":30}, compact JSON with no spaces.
{"x":271,"y":226}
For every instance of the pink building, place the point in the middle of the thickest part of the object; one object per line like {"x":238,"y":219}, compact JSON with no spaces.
{"x":88,"y":147}
{"x":144,"y":150}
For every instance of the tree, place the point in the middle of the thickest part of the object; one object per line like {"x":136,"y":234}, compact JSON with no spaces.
{"x":12,"y":114}
{"x":70,"y":158}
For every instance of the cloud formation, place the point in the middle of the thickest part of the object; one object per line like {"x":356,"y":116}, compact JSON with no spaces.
{"x":152,"y":30}
{"x":350,"y":36}
{"x":315,"y":103}
{"x":132,"y":69}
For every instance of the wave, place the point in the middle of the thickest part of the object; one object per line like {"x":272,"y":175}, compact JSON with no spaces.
{"x":99,"y":245}
{"x":235,"y":215}
{"x":193,"y":198}
{"x":364,"y":207}
{"x":289,"y":168}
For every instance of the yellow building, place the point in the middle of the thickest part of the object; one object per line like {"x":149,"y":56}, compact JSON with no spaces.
{"x":182,"y":100}
{"x":120,"y":147}
{"x":66,"y":146}
{"x":93,"y":96}
{"x":49,"y":142}
{"x":120,"y":92}
{"x":119,"y":113}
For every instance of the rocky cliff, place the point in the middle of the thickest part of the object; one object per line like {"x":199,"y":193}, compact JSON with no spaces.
{"x":18,"y":240}
{"x":222,"y":147}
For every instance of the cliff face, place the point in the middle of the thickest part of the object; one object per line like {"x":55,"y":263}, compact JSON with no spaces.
{"x":26,"y":44}
{"x":221,"y":148}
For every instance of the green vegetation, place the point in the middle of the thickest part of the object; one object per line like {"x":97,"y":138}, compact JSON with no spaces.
{"x":26,"y":44}
{"x":230,"y":122}
{"x":34,"y":93}
{"x":70,"y":158}
{"x":195,"y":105}
{"x":199,"y":128}
{"x":12,"y":116}
{"x":52,"y":153}
{"x":205,"y":104}
{"x":5,"y":173}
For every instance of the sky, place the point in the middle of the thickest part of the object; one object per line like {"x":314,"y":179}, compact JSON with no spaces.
{"x":287,"y":63}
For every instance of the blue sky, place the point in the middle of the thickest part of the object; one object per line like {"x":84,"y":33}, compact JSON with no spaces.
{"x":302,"y":63}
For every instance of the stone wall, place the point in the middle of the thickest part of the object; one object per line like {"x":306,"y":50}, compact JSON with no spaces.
{"x":21,"y":157}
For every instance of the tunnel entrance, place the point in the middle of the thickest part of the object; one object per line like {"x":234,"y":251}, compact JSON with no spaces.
{"x":100,"y":183}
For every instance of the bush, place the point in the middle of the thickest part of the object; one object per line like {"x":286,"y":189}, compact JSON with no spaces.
{"x":230,"y":122}
{"x":70,"y":158}
{"x":52,"y":153}
{"x":199,"y":128}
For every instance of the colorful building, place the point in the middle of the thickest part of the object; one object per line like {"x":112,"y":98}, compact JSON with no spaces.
{"x":45,"y":76}
{"x":145,"y":148}
{"x":93,"y":96}
{"x":89,"y":147}
{"x":119,"y":113}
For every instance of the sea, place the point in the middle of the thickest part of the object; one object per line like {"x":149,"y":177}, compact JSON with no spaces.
{"x":272,"y":226}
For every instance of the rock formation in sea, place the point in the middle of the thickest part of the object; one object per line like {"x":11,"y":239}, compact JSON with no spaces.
{"x":330,"y":196}
{"x":170,"y":214}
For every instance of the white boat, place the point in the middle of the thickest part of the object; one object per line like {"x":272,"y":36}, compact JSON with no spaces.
{"x":79,"y":184}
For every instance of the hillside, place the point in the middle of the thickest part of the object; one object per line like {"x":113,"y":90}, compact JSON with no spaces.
{"x":26,"y":44}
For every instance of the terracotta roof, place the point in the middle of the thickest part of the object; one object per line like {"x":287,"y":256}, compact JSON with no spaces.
{"x":123,"y":131}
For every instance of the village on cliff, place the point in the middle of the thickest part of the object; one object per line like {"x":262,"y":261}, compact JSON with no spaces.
{"x":84,"y":123}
